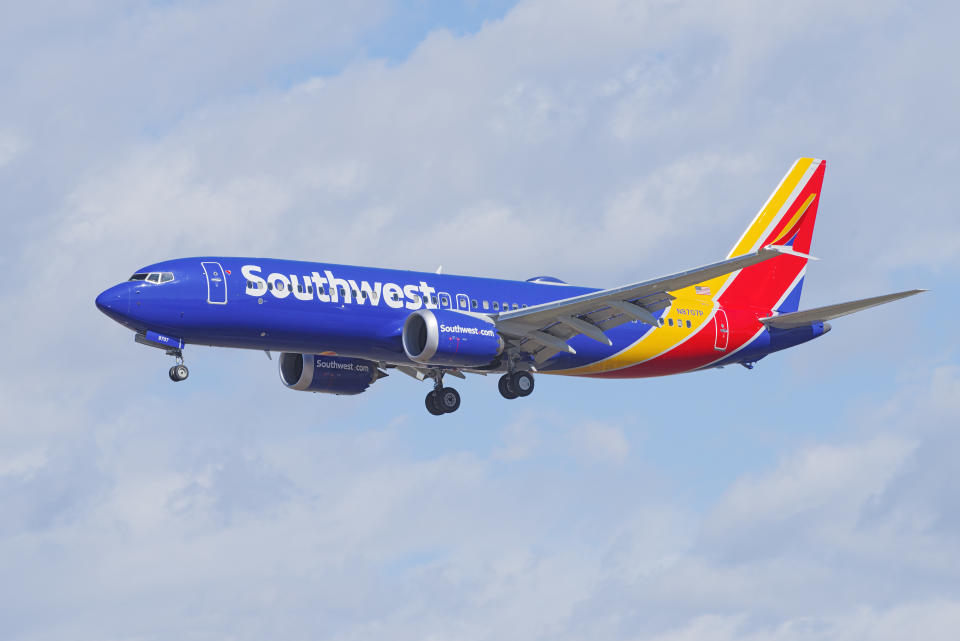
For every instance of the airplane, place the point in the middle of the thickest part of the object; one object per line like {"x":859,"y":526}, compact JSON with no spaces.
{"x":340,"y":328}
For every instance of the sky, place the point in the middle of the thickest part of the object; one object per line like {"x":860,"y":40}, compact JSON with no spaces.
{"x":600,"y":142}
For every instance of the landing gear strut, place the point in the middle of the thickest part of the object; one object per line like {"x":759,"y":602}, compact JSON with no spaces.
{"x":442,"y":400}
{"x":515,"y":384}
{"x":178,"y":372}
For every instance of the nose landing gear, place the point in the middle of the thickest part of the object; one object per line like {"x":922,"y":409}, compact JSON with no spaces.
{"x":171,"y":346}
{"x":178,"y":372}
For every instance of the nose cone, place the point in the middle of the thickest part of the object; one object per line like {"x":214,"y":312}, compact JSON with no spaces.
{"x":115,"y":302}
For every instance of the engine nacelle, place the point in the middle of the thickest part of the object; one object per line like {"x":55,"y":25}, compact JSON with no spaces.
{"x":446,"y":337}
{"x":327,"y":374}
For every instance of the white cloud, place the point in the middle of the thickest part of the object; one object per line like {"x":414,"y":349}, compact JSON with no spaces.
{"x":229,"y":519}
{"x":804,"y":494}
{"x":839,"y":541}
{"x":600,"y":142}
{"x":599,"y":443}
{"x":934,"y":619}
{"x":521,"y":439}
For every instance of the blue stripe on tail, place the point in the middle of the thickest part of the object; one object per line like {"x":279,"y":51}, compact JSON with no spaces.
{"x":792,"y":302}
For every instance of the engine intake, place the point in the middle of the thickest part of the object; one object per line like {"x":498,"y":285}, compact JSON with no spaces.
{"x":446,"y":337}
{"x":327,"y":374}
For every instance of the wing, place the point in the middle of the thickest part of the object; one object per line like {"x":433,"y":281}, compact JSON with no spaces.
{"x":543,"y":330}
{"x":819,"y":314}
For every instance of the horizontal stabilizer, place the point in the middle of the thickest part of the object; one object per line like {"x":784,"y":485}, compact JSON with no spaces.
{"x":819,"y":314}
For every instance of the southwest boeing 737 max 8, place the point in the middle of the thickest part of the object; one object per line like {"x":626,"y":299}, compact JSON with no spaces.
{"x":339,"y":327}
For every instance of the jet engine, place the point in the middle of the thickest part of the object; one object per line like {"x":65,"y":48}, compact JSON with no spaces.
{"x":327,"y":374}
{"x":447,"y":337}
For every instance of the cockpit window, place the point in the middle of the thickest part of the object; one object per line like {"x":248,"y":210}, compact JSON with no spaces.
{"x":154,"y":277}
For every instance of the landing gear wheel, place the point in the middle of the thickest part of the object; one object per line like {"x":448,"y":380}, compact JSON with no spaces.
{"x":448,"y":400}
{"x":179,"y":373}
{"x":522,"y":383}
{"x":506,"y":389}
{"x":433,"y":404}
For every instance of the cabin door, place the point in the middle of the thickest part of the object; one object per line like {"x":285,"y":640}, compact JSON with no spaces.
{"x":723,"y":330}
{"x":216,"y":284}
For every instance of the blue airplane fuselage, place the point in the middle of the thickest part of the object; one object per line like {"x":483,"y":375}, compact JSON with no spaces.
{"x":358,"y":312}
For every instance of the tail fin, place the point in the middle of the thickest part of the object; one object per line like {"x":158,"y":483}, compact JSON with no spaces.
{"x":787,"y":219}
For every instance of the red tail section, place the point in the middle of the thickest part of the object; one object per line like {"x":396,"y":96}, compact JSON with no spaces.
{"x":787,"y":218}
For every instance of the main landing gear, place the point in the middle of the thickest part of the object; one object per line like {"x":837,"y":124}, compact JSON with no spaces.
{"x":515,"y":384}
{"x":178,"y":372}
{"x":445,"y":400}
{"x":442,"y":400}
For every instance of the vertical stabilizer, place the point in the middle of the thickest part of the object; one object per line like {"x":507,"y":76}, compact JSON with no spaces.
{"x":787,"y":218}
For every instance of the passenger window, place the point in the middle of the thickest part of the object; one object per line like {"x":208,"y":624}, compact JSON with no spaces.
{"x":309,"y":289}
{"x":433,"y":300}
{"x":515,"y":306}
{"x":270,"y":285}
{"x":474,"y":304}
{"x":496,"y":306}
{"x":688,"y":324}
{"x":280,"y":285}
{"x":154,"y":277}
{"x":506,"y":306}
{"x":299,"y":289}
{"x":443,"y":300}
{"x":486,"y":304}
{"x":523,"y":306}
{"x":670,"y":322}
